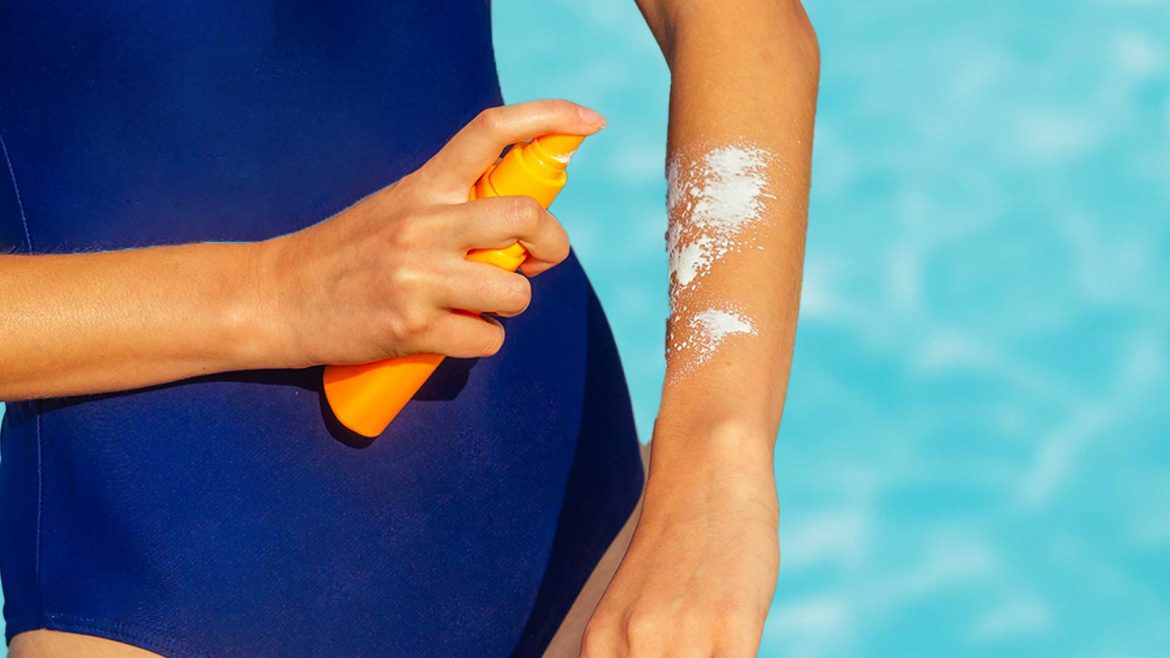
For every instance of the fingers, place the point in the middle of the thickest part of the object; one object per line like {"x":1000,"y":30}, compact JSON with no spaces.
{"x":483,"y":288}
{"x":499,"y":222}
{"x":477,"y":145}
{"x":465,"y":336}
{"x":438,"y":308}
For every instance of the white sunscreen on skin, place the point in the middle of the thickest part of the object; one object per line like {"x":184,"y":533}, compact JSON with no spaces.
{"x":711,"y":200}
{"x":706,"y":331}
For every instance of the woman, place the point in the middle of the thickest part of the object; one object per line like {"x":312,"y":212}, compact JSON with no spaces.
{"x":171,"y":480}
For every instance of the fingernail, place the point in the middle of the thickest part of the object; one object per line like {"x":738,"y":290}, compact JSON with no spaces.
{"x":590,"y":117}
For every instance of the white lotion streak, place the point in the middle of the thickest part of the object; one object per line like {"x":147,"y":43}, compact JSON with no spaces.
{"x":706,"y":332}
{"x":729,"y":197}
{"x":711,"y":201}
{"x":689,"y":260}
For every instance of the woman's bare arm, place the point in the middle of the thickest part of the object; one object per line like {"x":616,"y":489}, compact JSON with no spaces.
{"x":699,"y":575}
{"x":83,"y":323}
{"x":379,"y":279}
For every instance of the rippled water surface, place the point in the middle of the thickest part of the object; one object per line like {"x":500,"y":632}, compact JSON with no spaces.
{"x":975,"y":457}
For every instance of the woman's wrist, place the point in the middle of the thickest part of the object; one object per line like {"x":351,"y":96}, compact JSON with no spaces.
{"x":234,"y":331}
{"x":726,"y":459}
{"x":264,"y":315}
{"x":731,"y":440}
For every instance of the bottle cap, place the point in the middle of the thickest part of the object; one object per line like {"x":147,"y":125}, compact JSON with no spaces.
{"x":559,"y":147}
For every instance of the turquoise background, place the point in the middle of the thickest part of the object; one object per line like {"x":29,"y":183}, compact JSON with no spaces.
{"x":975,"y":458}
{"x":975,"y":455}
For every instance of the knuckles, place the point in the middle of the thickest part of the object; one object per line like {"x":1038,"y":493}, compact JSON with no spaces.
{"x":602,"y":638}
{"x":490,"y":120}
{"x":524,"y":214}
{"x":412,"y":315}
{"x":411,"y":323}
{"x":411,"y":232}
{"x":645,"y":629}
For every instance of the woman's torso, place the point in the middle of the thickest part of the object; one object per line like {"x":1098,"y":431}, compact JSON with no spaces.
{"x":229,"y":515}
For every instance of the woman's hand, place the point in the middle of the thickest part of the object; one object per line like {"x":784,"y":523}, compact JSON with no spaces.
{"x":385,"y":277}
{"x":701,"y":569}
{"x":380,"y":279}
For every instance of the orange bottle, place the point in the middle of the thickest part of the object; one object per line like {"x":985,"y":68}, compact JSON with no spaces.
{"x":365,"y":397}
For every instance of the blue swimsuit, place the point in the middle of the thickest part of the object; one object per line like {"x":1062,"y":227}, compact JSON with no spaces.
{"x":228,"y":515}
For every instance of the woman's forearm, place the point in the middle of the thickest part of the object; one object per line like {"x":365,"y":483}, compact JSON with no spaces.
{"x":705,"y":550}
{"x":743,"y":97}
{"x":96,"y":322}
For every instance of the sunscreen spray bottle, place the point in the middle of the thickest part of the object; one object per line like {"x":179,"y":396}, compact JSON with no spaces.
{"x":365,"y":397}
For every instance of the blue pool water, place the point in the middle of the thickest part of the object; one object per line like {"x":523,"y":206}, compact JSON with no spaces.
{"x":975,"y":458}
